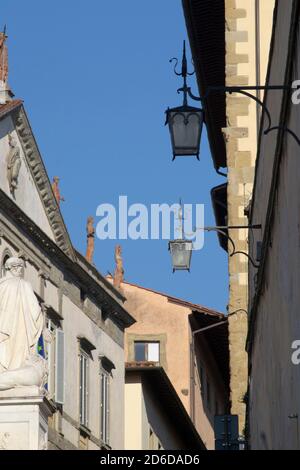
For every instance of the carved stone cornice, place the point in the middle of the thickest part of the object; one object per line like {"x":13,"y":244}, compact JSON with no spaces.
{"x":90,"y":280}
{"x":39,"y":175}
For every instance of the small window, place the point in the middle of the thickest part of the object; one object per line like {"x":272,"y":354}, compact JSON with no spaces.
{"x":83,"y":388}
{"x":144,"y":351}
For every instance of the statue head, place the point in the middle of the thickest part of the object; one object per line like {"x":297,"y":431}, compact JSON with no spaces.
{"x":15,"y":266}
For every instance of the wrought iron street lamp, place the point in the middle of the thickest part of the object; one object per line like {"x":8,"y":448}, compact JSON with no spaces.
{"x":181,"y":249}
{"x":186,"y":122}
{"x":185,"y":126}
{"x":181,"y":254}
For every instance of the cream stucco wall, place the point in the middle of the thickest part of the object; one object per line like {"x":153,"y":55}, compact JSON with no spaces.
{"x":143,"y":412}
{"x":134,"y":414}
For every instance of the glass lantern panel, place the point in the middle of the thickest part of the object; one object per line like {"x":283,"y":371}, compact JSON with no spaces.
{"x":185,"y":128}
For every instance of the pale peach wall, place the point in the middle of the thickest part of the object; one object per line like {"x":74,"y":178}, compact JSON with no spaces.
{"x":155,"y":315}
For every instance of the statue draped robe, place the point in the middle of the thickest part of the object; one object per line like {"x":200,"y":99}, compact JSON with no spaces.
{"x":21,"y":323}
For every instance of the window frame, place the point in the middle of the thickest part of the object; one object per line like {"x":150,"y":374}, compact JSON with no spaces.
{"x":146,"y":351}
{"x":105,"y":385}
{"x":50,"y":355}
{"x":53,"y":324}
{"x":83,"y":388}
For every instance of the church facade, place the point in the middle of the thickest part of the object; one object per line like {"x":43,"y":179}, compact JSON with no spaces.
{"x":84,"y":316}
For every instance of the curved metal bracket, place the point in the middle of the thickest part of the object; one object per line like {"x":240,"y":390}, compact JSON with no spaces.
{"x":223,"y":230}
{"x":243,"y":90}
{"x":184,"y":71}
{"x":237,"y":311}
{"x":257,"y":100}
{"x":179,"y":74}
{"x":285,"y":129}
{"x":234,"y":252}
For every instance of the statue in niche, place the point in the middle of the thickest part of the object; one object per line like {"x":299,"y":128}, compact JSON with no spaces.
{"x":119,"y":271}
{"x":13,"y":164}
{"x":3,"y":58}
{"x":90,"y":230}
{"x":21,"y":324}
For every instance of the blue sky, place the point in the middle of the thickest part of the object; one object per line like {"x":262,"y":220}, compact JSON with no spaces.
{"x":96,"y":80}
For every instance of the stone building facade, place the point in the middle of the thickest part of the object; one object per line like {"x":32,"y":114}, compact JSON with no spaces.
{"x":84,"y":314}
{"x":248,"y":27}
{"x":239,"y":36}
{"x":274,"y":326}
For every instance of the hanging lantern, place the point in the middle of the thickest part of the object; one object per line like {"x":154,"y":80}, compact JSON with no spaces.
{"x":181,"y":253}
{"x":185,"y":126}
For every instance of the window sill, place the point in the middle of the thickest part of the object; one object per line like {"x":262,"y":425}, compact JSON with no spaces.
{"x":86,"y":432}
{"x":105,"y":446}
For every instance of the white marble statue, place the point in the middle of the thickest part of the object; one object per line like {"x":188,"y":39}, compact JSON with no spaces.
{"x":21,"y":324}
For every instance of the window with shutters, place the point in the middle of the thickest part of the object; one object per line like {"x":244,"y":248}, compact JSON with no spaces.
{"x":105,"y":406}
{"x":106,"y":377}
{"x":50,"y":356}
{"x":83,"y":388}
{"x":54,"y":354}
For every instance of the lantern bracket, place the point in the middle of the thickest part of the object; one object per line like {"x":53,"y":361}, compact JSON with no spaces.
{"x":223,"y":230}
{"x":244,"y":90}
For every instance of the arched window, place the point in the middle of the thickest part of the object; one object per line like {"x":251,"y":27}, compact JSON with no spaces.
{"x":5,"y":257}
